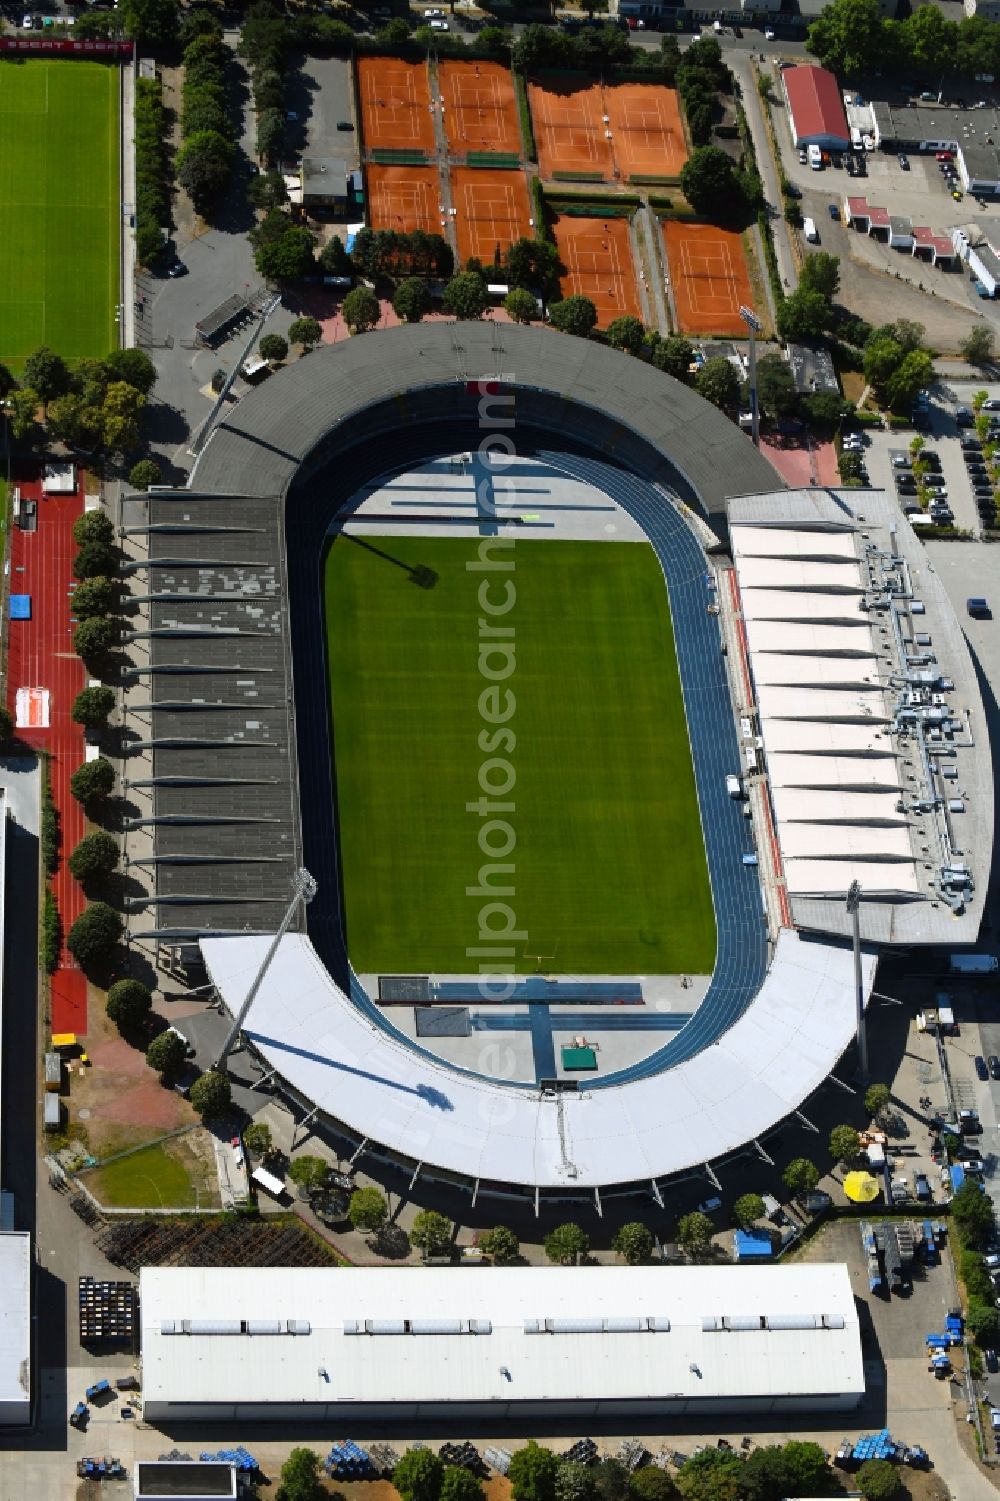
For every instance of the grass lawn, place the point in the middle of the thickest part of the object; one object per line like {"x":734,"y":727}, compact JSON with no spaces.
{"x":161,"y":1176}
{"x":609,"y":865}
{"x":59,"y":206}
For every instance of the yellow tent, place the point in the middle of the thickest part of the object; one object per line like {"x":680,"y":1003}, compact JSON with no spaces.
{"x":861,"y":1188}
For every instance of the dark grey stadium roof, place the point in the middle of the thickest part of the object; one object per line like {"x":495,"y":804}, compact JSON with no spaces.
{"x":222,"y":730}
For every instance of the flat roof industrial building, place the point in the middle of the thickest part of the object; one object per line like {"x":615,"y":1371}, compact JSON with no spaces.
{"x":378,"y":1344}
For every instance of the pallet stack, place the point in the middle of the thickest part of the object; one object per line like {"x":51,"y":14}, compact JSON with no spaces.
{"x":107,"y":1312}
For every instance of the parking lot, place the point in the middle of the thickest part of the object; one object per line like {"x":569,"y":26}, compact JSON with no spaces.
{"x":942,"y":440}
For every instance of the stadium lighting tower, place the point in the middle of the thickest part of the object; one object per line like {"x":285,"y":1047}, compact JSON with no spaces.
{"x":854,"y":908}
{"x":303,"y":891}
{"x":754,"y":327}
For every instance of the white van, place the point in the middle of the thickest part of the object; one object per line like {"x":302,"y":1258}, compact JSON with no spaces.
{"x":815,"y":158}
{"x":856,"y":141}
{"x":809,"y":230}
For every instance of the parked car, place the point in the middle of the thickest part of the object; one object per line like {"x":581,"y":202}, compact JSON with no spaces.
{"x":791,"y":191}
{"x":994,"y":1066}
{"x":833,"y":209}
{"x":345,"y":124}
{"x":965,"y":417}
{"x":944,"y":156}
{"x":983,"y":1073}
{"x":803,"y":159}
{"x":992,"y":1364}
{"x":992,"y":404}
{"x":901,"y":461}
{"x":970,"y":441}
{"x":904,"y":161}
{"x":974,"y":1165}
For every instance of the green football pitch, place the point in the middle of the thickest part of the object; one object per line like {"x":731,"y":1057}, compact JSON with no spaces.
{"x":609,"y":864}
{"x":59,"y":207}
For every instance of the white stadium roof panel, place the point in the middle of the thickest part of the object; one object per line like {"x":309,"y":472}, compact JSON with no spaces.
{"x":806,"y":639}
{"x":843,"y":705}
{"x":371,"y":1079}
{"x":831,"y":878}
{"x":816,"y":672}
{"x":821,"y":841}
{"x":792,"y":604}
{"x":789,"y":542}
{"x":779,"y":573}
{"x":793,"y":770}
{"x":824,"y":737}
{"x":808,"y":805}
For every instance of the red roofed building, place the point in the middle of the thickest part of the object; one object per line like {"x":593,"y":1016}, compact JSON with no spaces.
{"x":816,"y":109}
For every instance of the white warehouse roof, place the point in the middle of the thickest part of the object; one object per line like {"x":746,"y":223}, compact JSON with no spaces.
{"x":496,"y":1334}
{"x":15,"y":1327}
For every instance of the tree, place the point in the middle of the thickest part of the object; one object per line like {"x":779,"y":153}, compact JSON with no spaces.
{"x":459,"y":1484}
{"x":674,"y":355}
{"x":411,"y":300}
{"x":367,"y":1210}
{"x":712,"y":1475}
{"x":361,"y":310}
{"x":211,"y":1094}
{"x":257,"y":1139}
{"x":567,"y":1244}
{"x":718,"y":382}
{"x":418,"y":1475}
{"x":273,"y":347}
{"x":533,"y":266}
{"x":650,"y":1483}
{"x":270,"y":134}
{"x":709,"y":183}
{"x":930,"y":40}
{"x":611,"y":1480}
{"x":633,"y":1242}
{"x":845,"y":1144}
{"x":94,"y":638}
{"x":121,"y":434}
{"x":532,"y":1473}
{"x":334,"y":259}
{"x":465,"y":296}
{"x":133,"y":366}
{"x":803,"y":315}
{"x":983,"y":1323}
{"x":574,"y":1482}
{"x":204,"y":163}
{"x":288,"y":257}
{"x":800,"y":1176}
{"x":94,"y":526}
{"x":309,"y":1174}
{"x":520,"y":306}
{"x":747,"y":1210}
{"x":95,"y":857}
{"x":307,"y":332}
{"x":694,"y":1233}
{"x":883,"y":356}
{"x":47,"y":373}
{"x":267,"y":190}
{"x":129,"y":1004}
{"x":795,"y":1468}
{"x":500,"y":1245}
{"x":877,"y":1097}
{"x":144,"y":474}
{"x":431,"y":1233}
{"x":825,"y":408}
{"x":776,"y":386}
{"x":574,"y":315}
{"x":92,"y":706}
{"x":848,"y":37}
{"x":878,"y":1480}
{"x":154,"y":22}
{"x":95,"y":934}
{"x":973,"y":1213}
{"x":166,"y":1053}
{"x":72,"y":420}
{"x":93,"y":781}
{"x":915,"y":371}
{"x":94,"y":560}
{"x":300,"y":1478}
{"x":6,"y":726}
{"x":22,"y":412}
{"x":626,"y":333}
{"x":821,"y":273}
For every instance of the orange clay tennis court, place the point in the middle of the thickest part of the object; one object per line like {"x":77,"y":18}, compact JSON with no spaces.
{"x":480,"y":111}
{"x":569,"y":129}
{"x":395,"y":105}
{"x":647,"y":138}
{"x":404,"y":198}
{"x":491,"y":210}
{"x":598,"y":260}
{"x":708,"y":272}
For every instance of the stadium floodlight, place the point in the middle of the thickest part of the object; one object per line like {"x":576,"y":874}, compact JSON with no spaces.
{"x":854,"y":908}
{"x":303,"y":891}
{"x":754,"y":327}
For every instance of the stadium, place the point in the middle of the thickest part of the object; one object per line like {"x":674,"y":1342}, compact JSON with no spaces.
{"x":636,"y":974}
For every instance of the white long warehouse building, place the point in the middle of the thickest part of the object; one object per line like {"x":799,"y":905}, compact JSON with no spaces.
{"x":404,"y":1344}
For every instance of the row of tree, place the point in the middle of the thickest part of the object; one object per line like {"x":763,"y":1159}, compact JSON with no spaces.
{"x":701,"y":76}
{"x":206,"y":157}
{"x":719,"y":189}
{"x":96,"y":405}
{"x":152,"y":170}
{"x":265,"y":45}
{"x":855,"y":39}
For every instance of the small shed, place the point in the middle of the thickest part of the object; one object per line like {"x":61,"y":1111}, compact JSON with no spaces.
{"x":752,"y":1245}
{"x":856,"y":213}
{"x":900,"y":232}
{"x":52,"y":1113}
{"x":878,"y":222}
{"x":53,"y":1072}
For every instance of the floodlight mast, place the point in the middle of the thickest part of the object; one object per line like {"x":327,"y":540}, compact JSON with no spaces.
{"x":854,"y":908}
{"x":754,"y":327}
{"x":303,"y":890}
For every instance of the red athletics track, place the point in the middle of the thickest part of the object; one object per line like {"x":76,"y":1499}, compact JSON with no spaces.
{"x":40,"y":655}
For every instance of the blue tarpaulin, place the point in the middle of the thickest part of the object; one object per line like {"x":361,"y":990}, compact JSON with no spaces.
{"x":20,"y":607}
{"x":753,"y":1245}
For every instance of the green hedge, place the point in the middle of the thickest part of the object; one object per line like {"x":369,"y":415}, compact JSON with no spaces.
{"x":51,"y":933}
{"x":398,"y":156}
{"x":543,"y":218}
{"x":643,"y":178}
{"x":500,"y":161}
{"x":578,"y":176}
{"x":524,"y":114}
{"x":50,"y":825}
{"x":774,"y":275}
{"x":577,"y":210}
{"x":597,"y":201}
{"x":152,"y":170}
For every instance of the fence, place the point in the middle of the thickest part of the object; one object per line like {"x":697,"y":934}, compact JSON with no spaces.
{"x":397,"y":156}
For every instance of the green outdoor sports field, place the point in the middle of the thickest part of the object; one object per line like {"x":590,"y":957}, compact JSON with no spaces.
{"x":59,"y":207}
{"x":609,"y":865}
